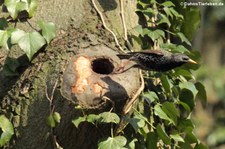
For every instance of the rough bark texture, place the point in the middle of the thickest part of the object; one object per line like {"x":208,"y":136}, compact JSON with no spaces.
{"x":80,"y":31}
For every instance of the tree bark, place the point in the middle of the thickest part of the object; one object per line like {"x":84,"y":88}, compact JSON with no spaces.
{"x":50,"y":82}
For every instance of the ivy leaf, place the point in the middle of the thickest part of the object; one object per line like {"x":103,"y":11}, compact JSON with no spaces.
{"x":17,"y":35}
{"x":176,"y":14}
{"x":168,"y":12}
{"x":167,"y":85}
{"x":30,"y":42}
{"x":10,"y":67}
{"x":148,"y":12}
{"x":139,"y":29}
{"x":187,"y":74}
{"x":144,"y":5}
{"x":163,"y":19}
{"x":185,"y":125}
{"x":162,"y":134}
{"x":32,"y":6}
{"x":7,"y":130}
{"x":156,"y":34}
{"x":57,"y":117}
{"x":159,"y":112}
{"x":14,"y":7}
{"x":181,"y":49}
{"x":183,"y":38}
{"x":4,"y":36}
{"x":189,"y":86}
{"x":51,"y":121}
{"x":3,"y":23}
{"x":185,"y":106}
{"x":77,"y":121}
{"x":48,"y":30}
{"x":171,"y":111}
{"x":131,"y":144}
{"x":151,"y":96}
{"x":168,"y":4}
{"x":108,"y":117}
{"x":177,"y":138}
{"x":152,"y":140}
{"x":187,"y":97}
{"x":117,"y":142}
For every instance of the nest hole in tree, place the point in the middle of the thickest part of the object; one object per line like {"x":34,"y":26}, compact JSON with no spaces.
{"x":102,"y":66}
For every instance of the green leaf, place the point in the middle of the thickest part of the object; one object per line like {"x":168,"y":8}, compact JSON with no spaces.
{"x":156,"y":34}
{"x":137,"y":122}
{"x":151,"y":96}
{"x":31,"y":7}
{"x":187,"y":97}
{"x":78,"y":120}
{"x":162,"y":134}
{"x":131,"y":144}
{"x":183,"y":38}
{"x":3,"y":23}
{"x":14,"y":7}
{"x":7,"y":130}
{"x":48,"y":30}
{"x":57,"y":117}
{"x":176,"y":14}
{"x":181,"y":49}
{"x":187,"y":74}
{"x":152,"y":140}
{"x":139,"y":29}
{"x":51,"y":121}
{"x":4,"y":36}
{"x":146,"y":31}
{"x":117,"y":142}
{"x":190,"y":138}
{"x":185,"y":125}
{"x":168,"y":4}
{"x":171,"y":111}
{"x":30,"y":43}
{"x":144,"y":5}
{"x":108,"y":117}
{"x":163,"y":19}
{"x":177,"y":137}
{"x":189,"y":86}
{"x":168,"y":12}
{"x":10,"y":67}
{"x":185,"y":106}
{"x":159,"y":112}
{"x":167,"y":85}
{"x":17,"y":34}
{"x":149,"y":12}
{"x":201,"y":93}
{"x":92,"y":118}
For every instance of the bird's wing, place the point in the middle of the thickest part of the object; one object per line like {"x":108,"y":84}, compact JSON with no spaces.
{"x":147,"y":52}
{"x":151,"y":52}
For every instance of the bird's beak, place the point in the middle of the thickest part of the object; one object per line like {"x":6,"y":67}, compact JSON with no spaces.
{"x":192,"y":61}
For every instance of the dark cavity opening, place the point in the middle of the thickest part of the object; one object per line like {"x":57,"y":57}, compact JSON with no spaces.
{"x":102,"y":66}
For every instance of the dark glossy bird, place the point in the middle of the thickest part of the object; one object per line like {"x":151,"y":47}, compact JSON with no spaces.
{"x":156,"y":60}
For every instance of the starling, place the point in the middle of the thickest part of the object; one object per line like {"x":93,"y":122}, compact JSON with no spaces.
{"x":156,"y":60}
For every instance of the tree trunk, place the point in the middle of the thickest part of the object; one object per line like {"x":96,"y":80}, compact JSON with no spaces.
{"x":75,"y":70}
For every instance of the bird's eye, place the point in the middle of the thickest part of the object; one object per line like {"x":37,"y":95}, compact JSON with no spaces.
{"x":185,"y":58}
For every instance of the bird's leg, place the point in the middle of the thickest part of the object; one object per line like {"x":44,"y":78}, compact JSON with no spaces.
{"x":122,"y":66}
